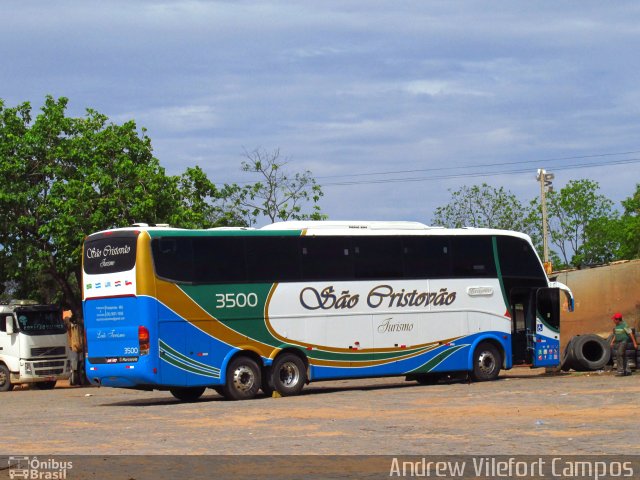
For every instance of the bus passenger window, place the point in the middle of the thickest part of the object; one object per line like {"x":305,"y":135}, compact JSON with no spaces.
{"x":272,"y":259}
{"x":426,"y":257}
{"x":326,"y":258}
{"x":378,"y":257}
{"x":473,"y":256}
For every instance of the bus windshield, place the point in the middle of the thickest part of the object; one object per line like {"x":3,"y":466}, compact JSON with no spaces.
{"x":41,"y":322}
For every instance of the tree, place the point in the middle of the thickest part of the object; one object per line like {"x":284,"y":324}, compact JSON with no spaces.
{"x":278,"y":195}
{"x":64,"y":178}
{"x":203,"y":204}
{"x":483,"y":206}
{"x":581,"y":223}
{"x":630,"y":226}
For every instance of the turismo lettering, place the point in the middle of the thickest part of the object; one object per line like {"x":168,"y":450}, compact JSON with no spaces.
{"x":379,"y":296}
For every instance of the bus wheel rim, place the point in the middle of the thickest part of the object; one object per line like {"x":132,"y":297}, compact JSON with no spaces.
{"x":486,"y":362}
{"x":289,"y":374}
{"x":243,"y":378}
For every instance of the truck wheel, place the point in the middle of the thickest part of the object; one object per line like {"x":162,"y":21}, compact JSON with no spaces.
{"x":243,"y":379}
{"x":486,"y":362}
{"x":45,"y":385}
{"x":5,"y":379}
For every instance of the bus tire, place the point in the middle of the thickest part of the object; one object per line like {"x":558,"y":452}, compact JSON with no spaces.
{"x":46,"y":385}
{"x":187,"y":394}
{"x":267,"y":382}
{"x":243,"y":379}
{"x":486,"y":362}
{"x":5,"y":379}
{"x":288,"y":374}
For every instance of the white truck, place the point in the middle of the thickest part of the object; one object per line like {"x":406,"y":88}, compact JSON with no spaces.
{"x":34,"y":347}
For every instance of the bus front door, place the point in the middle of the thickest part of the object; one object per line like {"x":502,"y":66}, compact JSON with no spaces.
{"x":547,"y":329}
{"x":522,"y":326}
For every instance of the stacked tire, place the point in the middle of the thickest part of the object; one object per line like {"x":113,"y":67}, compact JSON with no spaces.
{"x":586,"y":353}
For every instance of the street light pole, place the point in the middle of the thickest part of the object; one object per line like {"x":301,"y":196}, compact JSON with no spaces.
{"x":545,"y":185}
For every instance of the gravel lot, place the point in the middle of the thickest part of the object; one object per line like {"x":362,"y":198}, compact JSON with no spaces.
{"x":524,"y":412}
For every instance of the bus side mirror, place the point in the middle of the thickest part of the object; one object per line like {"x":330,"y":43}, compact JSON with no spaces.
{"x":9,"y":324}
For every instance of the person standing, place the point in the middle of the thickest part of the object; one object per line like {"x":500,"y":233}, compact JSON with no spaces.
{"x":622,"y":334}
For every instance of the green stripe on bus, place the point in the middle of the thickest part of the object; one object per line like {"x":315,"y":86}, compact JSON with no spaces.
{"x":442,"y":356}
{"x":183,"y":357}
{"x":183,"y":366}
{"x":494,"y":242}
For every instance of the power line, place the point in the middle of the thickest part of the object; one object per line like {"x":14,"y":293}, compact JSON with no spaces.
{"x":473,"y":175}
{"x":579,"y":157}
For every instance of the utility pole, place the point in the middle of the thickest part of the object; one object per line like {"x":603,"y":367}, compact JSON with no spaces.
{"x":545,"y":186}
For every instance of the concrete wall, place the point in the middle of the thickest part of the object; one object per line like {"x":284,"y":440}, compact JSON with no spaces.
{"x":600,"y":292}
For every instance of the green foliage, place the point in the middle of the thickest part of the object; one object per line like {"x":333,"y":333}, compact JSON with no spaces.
{"x":278,"y":195}
{"x":482,"y":206}
{"x":64,"y":178}
{"x":630,"y":226}
{"x":583,"y":225}
{"x":578,"y":221}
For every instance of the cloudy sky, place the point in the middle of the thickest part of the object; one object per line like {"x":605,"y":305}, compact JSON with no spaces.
{"x":390,"y":104}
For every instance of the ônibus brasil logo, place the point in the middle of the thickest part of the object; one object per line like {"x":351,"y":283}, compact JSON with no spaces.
{"x":32,"y":468}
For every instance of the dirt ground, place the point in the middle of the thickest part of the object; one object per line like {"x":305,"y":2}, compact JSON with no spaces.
{"x":524,"y":412}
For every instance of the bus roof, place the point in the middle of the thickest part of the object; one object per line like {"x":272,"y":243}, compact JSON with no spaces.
{"x":321,"y":228}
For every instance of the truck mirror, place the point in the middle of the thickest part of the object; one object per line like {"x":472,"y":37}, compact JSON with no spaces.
{"x":9,"y":324}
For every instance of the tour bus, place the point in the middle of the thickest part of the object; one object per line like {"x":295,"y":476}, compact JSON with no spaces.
{"x":240,"y":310}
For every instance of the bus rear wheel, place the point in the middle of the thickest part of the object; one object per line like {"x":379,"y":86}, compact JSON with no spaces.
{"x":187,"y":394}
{"x":243,"y":379}
{"x":288,"y":374}
{"x":486,"y":362}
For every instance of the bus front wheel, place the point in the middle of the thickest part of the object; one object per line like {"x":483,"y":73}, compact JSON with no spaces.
{"x":243,"y":379}
{"x":486,"y":362}
{"x":288,"y":374}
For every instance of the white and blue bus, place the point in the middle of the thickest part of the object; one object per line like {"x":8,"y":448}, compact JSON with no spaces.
{"x":243,"y":310}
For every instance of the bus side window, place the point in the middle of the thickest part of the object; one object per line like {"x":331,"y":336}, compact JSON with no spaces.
{"x":473,"y":257}
{"x":426,"y":257}
{"x":326,"y":258}
{"x":378,"y":257}
{"x":517,"y":259}
{"x":173,"y":258}
{"x":167,"y":246}
{"x":272,"y":259}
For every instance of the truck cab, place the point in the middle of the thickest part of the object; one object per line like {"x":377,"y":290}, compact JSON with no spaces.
{"x":34,"y":347}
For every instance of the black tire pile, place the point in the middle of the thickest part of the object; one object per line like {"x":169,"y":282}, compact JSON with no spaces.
{"x":590,"y":352}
